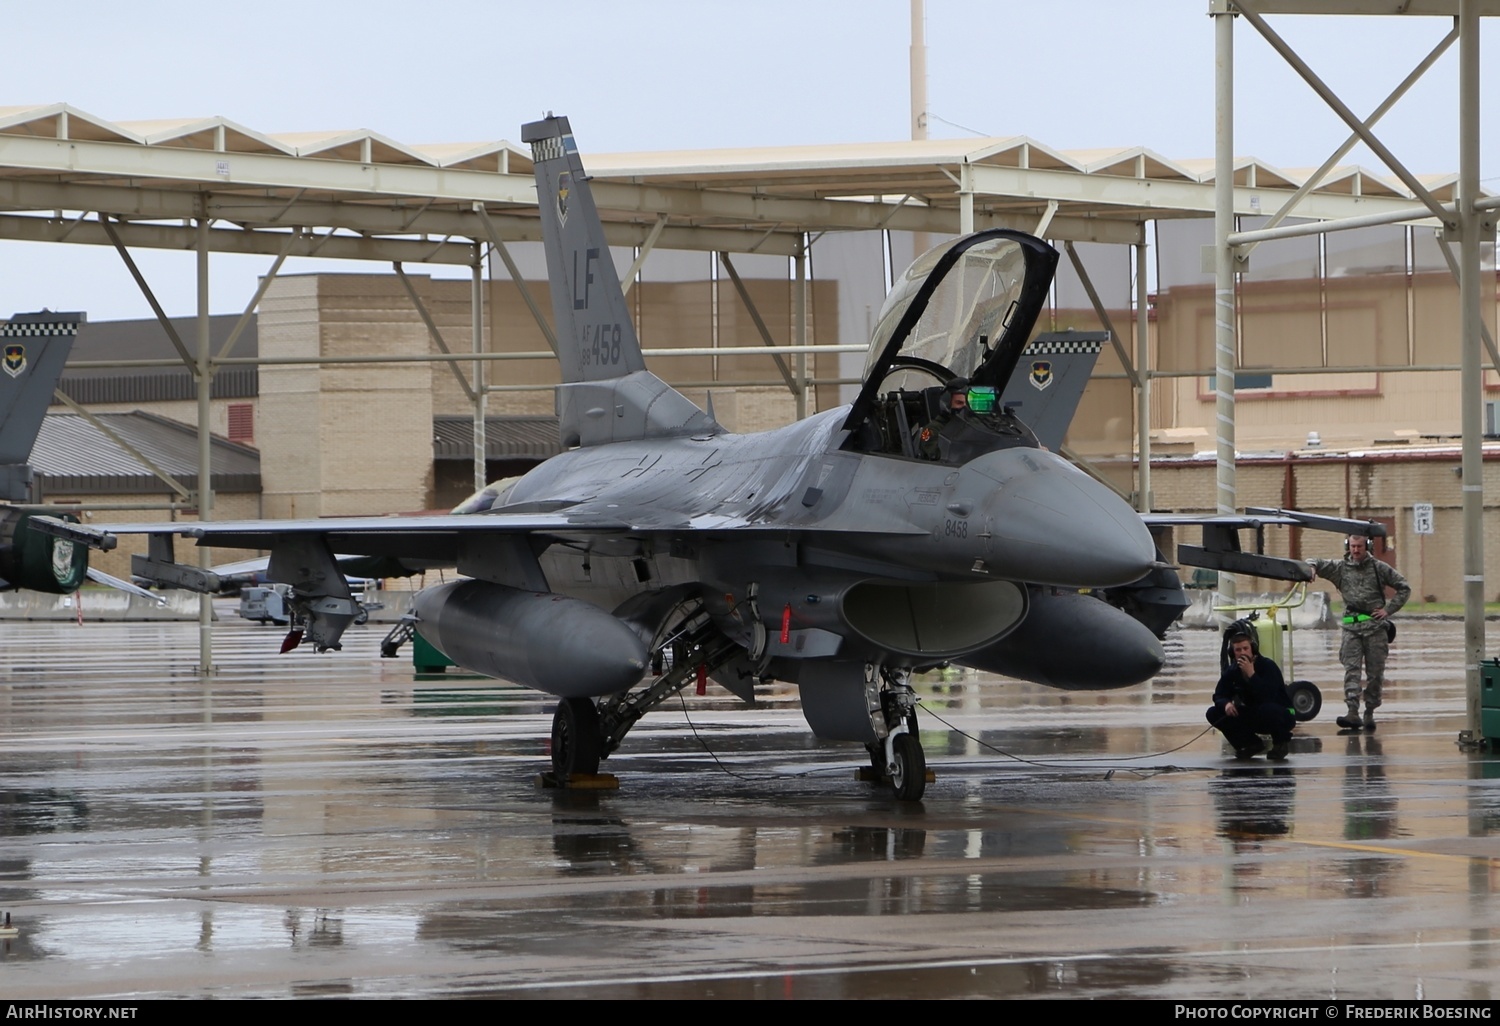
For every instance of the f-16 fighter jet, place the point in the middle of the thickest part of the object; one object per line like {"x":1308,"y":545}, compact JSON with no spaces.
{"x":922,"y":525}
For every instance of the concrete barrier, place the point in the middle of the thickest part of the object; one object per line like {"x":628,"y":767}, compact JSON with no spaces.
{"x":102,"y":604}
{"x":1314,"y":613}
{"x":394,"y":605}
{"x":109,"y":604}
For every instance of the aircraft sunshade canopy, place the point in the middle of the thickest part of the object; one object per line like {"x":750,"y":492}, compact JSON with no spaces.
{"x":963,"y":309}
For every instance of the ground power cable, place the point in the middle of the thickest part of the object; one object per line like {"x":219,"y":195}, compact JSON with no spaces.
{"x":1093,"y":762}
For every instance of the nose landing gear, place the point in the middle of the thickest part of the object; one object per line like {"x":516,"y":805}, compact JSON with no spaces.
{"x":898,"y":757}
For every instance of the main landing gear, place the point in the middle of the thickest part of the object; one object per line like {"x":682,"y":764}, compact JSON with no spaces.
{"x":577,"y":745}
{"x":898,"y":756}
{"x":584,"y":733}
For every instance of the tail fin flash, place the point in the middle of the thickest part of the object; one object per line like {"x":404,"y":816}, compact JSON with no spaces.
{"x":35,"y":346}
{"x":607,"y":394}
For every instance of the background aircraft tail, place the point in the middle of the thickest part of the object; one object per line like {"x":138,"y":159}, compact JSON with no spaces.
{"x":35,"y":346}
{"x":1049,"y":381}
{"x":607,"y":394}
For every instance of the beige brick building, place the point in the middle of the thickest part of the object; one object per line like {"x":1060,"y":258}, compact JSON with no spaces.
{"x":357,"y":438}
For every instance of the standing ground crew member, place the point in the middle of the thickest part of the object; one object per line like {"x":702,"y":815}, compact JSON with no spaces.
{"x":1362,"y":580}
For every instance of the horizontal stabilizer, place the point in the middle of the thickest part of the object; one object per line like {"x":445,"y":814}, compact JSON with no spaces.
{"x":1319,"y":522}
{"x":1252,"y":563}
{"x":1221,"y":551}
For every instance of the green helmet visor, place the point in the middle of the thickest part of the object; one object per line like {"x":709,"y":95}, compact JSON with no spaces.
{"x":982,"y":399}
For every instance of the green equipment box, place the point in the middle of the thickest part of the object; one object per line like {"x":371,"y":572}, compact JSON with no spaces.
{"x":1489,"y":698}
{"x":425,"y":658}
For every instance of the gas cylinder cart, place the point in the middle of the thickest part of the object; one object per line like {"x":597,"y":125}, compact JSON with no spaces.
{"x":1271,"y":632}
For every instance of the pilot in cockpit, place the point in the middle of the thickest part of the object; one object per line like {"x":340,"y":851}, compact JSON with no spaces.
{"x":945,"y":403}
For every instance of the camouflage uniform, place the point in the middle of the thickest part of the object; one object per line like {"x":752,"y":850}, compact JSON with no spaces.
{"x":1365,"y":640}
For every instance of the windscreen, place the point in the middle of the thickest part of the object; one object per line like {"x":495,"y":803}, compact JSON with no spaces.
{"x":963,"y":318}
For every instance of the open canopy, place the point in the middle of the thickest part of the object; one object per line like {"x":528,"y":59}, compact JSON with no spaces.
{"x":964,"y":309}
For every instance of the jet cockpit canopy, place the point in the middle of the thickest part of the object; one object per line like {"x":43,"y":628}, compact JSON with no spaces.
{"x":964,"y":309}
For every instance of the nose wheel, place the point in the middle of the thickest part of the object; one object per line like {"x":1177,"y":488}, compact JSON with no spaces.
{"x":908,"y":768}
{"x":897,"y":756}
{"x":577,"y":745}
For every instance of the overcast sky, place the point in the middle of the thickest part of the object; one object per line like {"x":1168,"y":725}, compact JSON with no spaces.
{"x":679,"y":74}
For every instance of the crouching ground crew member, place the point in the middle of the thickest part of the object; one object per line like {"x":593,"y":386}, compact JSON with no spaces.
{"x":1362,"y":580}
{"x":1252,"y":699}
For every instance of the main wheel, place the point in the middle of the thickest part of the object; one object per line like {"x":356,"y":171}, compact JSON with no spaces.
{"x":909,"y":776}
{"x":1307,"y":700}
{"x":576,"y":743}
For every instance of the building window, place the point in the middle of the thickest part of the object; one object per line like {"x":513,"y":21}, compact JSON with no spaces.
{"x":242,"y":422}
{"x":1244,"y":381}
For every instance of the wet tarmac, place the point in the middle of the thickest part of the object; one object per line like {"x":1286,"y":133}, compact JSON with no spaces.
{"x":330,"y":825}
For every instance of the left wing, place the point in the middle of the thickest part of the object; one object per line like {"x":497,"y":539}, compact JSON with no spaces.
{"x":499,"y":545}
{"x":426,"y":537}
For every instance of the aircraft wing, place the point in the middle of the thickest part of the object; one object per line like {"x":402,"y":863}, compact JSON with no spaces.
{"x":498,"y":545}
{"x":379,"y":536}
{"x":1221,"y":539}
{"x":437,"y":538}
{"x":1260,"y":516}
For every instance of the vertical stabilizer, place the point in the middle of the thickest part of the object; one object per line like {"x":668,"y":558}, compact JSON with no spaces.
{"x":607,"y":394}
{"x":35,"y":346}
{"x":595,"y":335}
{"x":1049,"y":381}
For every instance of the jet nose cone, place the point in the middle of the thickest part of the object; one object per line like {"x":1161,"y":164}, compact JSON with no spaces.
{"x":1052,"y":524}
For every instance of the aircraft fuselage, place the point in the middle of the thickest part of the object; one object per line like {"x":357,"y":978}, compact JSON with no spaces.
{"x":730,"y":515}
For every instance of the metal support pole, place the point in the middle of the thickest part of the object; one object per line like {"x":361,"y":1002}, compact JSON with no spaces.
{"x":205,"y":450}
{"x":799,"y":318}
{"x":1339,"y":154}
{"x":1338,"y":107}
{"x":758,"y":321}
{"x":1102,"y":314}
{"x":1341,"y":224}
{"x":1143,"y":385}
{"x":515,"y":275}
{"x":918,"y":69}
{"x":1045,"y":221}
{"x":476,"y":302}
{"x":140,"y":281}
{"x":432,"y":329}
{"x":1446,"y":248}
{"x":1472,"y":383}
{"x":640,"y":258}
{"x":1224,"y":340}
{"x":124,"y":443}
{"x":260,"y":291}
{"x":965,"y":200}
